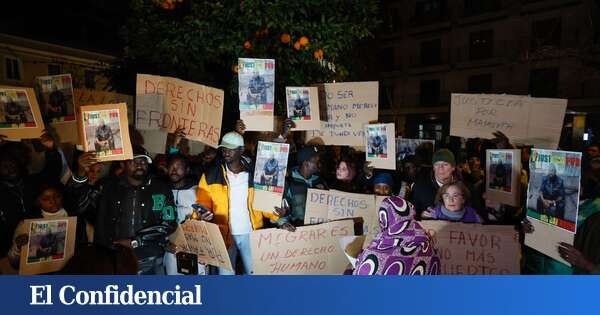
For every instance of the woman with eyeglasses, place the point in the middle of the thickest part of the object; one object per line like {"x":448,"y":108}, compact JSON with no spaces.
{"x":452,"y":205}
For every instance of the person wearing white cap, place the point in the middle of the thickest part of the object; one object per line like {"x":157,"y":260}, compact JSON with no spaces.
{"x":226,"y":190}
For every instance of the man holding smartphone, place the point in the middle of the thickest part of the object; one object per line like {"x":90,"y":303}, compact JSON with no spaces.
{"x":227,"y":191}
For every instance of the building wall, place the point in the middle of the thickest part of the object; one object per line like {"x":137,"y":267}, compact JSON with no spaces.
{"x":35,"y":57}
{"x":511,"y":64}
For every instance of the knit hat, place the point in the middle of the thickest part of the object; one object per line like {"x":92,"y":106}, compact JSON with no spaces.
{"x":383,"y":178}
{"x":443,"y":155}
{"x":306,"y":153}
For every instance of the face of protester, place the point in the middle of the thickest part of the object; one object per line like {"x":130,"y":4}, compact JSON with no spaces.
{"x":474,"y":163}
{"x":137,"y":168}
{"x":382,"y":190}
{"x":209,"y":156}
{"x":95,"y":172}
{"x":230,"y":155}
{"x":50,"y":200}
{"x":592,"y":151}
{"x":313,"y":165}
{"x":443,"y":171}
{"x":453,"y":199}
{"x":343,"y":171}
{"x":410,"y":171}
{"x":177,"y":171}
{"x":9,"y":169}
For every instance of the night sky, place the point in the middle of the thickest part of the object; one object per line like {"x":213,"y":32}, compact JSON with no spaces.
{"x":87,"y":24}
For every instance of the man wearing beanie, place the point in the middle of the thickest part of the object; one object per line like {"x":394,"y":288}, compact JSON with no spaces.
{"x":303,"y":176}
{"x":427,"y":185}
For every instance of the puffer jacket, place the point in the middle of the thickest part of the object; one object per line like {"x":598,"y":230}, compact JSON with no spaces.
{"x":213,"y":193}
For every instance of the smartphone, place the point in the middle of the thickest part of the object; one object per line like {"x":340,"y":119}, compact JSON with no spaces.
{"x":200,"y":208}
{"x":187,"y":263}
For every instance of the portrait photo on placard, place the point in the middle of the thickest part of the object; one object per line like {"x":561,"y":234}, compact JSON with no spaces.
{"x":102,"y":132}
{"x":406,"y":147}
{"x":501,"y":164}
{"x":271,"y":164}
{"x":377,"y":141}
{"x":55,"y":95}
{"x":298,"y":103}
{"x":15,"y":109}
{"x":256,"y":83}
{"x":47,"y":241}
{"x":553,"y":192}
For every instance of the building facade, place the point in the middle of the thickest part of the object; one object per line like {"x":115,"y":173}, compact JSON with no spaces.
{"x":22,"y":60}
{"x":432,"y":48}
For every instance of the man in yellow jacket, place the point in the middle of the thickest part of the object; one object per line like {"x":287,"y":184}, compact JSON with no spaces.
{"x":226,"y":190}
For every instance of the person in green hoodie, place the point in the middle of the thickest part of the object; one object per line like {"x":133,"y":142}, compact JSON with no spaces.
{"x":302,"y":177}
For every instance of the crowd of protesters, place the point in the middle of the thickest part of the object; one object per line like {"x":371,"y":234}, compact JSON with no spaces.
{"x":116,"y":202}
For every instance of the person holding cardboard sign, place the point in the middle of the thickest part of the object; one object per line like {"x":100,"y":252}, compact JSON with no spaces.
{"x":227,"y":191}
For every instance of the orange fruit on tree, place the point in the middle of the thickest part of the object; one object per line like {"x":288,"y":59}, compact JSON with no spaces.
{"x":297,"y":45}
{"x":285,"y":38}
{"x":318,"y":54}
{"x":303,"y":40}
{"x":247,"y":44}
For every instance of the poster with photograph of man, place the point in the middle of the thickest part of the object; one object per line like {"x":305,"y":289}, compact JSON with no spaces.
{"x":19,"y":113}
{"x":256,"y":91}
{"x":406,"y":147}
{"x":553,"y":193}
{"x":303,"y":107}
{"x":104,"y":130}
{"x":55,"y":94}
{"x":503,"y":173}
{"x":269,"y":174}
{"x":380,"y":147}
{"x":50,"y":245}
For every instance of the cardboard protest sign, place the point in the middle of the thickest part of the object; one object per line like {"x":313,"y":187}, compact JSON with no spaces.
{"x":303,"y":107}
{"x":94,"y":97}
{"x":104,"y":130}
{"x":553,"y":192}
{"x":329,"y":205}
{"x":168,"y":103}
{"x":20,"y":116}
{"x":380,"y":146}
{"x":50,"y":246}
{"x":55,"y":95}
{"x":406,"y":147}
{"x":155,"y":141}
{"x":269,"y":175}
{"x":523,"y":119}
{"x":203,"y":239}
{"x":256,"y":91}
{"x":352,"y":247}
{"x":68,"y":131}
{"x":503,"y":171}
{"x":475,"y":249}
{"x":546,"y":237}
{"x":309,"y":250}
{"x":350,"y":106}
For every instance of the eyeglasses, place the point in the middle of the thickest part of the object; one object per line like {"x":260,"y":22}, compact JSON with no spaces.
{"x":452,"y":197}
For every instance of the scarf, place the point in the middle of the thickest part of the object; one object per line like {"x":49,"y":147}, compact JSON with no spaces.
{"x":62,"y":213}
{"x":402,"y":247}
{"x":453,"y":215}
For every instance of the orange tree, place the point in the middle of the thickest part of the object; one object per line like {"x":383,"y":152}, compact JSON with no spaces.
{"x":200,"y":40}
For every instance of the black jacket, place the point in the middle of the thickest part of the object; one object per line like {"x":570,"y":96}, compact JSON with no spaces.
{"x":17,"y":199}
{"x":118,"y":210}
